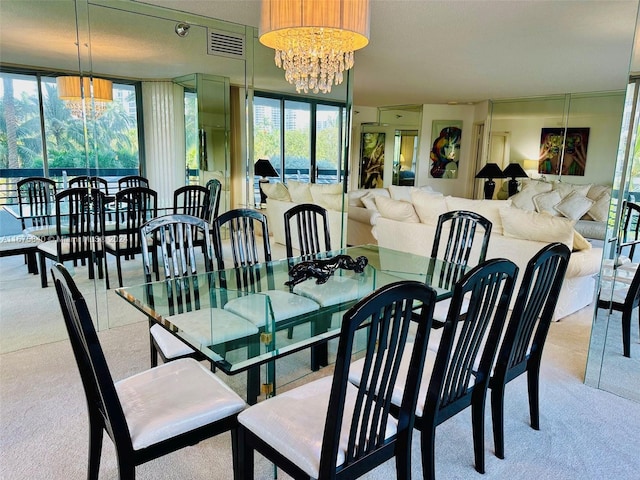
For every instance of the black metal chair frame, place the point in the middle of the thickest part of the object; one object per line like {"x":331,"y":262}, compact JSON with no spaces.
{"x":105,"y":409}
{"x":133,"y":207}
{"x":306,"y":218}
{"x":86,"y":181}
{"x":456,"y":383}
{"x":79,"y":230}
{"x":215,"y":190}
{"x":38,"y":193}
{"x":191,"y":200}
{"x":387,"y":315}
{"x":526,"y":332}
{"x":132,"y":181}
{"x":462,"y":231}
{"x":173,"y":236}
{"x":629,"y":235}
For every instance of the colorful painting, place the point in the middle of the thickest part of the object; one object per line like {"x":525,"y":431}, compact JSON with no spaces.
{"x":445,"y":150}
{"x":574,"y":160}
{"x":371,"y":160}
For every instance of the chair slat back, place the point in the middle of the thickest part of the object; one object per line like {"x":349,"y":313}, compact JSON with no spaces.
{"x":468,"y":347}
{"x":79,"y":221}
{"x":387,"y":313}
{"x":36,"y":197}
{"x":134,"y":207}
{"x":533,"y":310}
{"x":86,"y":181}
{"x":102,"y":398}
{"x":173,"y":235}
{"x":461,"y":225}
{"x":191,"y":200}
{"x":215,"y":190}
{"x":132,"y":181}
{"x":630,"y":233}
{"x":310,"y":223}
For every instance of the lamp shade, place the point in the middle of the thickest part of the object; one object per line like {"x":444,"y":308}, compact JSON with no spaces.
{"x":72,"y":89}
{"x":490,"y":170}
{"x":263,"y":168}
{"x":514,"y":170}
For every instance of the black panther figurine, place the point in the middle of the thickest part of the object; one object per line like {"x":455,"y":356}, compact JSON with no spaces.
{"x":321,"y":270}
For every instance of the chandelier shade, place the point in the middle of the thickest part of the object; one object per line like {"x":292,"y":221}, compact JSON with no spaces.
{"x":314,"y":40}
{"x":70,"y":90}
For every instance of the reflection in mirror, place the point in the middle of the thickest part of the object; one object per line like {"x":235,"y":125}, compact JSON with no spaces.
{"x":405,"y":153}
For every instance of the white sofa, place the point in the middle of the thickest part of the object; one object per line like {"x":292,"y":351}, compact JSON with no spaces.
{"x":281,"y":198}
{"x":516,"y":235}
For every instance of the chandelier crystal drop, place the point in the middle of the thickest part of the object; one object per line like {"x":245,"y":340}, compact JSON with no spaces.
{"x":314,"y":40}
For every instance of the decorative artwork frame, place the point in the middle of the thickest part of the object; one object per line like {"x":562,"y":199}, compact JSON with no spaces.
{"x":445,"y":148}
{"x":552,"y":161}
{"x":372,"y":159}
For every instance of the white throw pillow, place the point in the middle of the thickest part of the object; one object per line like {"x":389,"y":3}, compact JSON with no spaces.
{"x":400,"y":193}
{"x":536,"y":226}
{"x":579,"y":242}
{"x":489,"y":209}
{"x":524,"y":198}
{"x":545,"y":202}
{"x":428,"y":205}
{"x":369,"y":202}
{"x":599,"y":211}
{"x":276,"y":191}
{"x":574,"y":205}
{"x":325,"y":188}
{"x":300,"y":192}
{"x":596,"y":191}
{"x":330,"y":201}
{"x":565,"y":189}
{"x":397,"y":210}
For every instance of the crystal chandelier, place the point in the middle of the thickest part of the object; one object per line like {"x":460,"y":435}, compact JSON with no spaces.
{"x":314,"y":40}
{"x":95,"y":99}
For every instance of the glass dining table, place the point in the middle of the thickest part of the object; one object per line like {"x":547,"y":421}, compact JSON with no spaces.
{"x":191,"y":307}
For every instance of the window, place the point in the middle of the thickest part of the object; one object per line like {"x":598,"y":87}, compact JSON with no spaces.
{"x":302,"y":138}
{"x":53,"y":144}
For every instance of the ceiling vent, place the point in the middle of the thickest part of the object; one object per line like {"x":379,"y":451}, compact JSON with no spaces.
{"x":225,"y":44}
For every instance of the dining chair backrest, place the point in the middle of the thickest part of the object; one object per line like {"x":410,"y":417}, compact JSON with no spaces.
{"x":173,"y":236}
{"x":387,"y":313}
{"x":134,"y":207}
{"x":310,"y":224}
{"x":79,"y":221}
{"x":240,"y":226}
{"x":459,"y":227}
{"x":191,"y":200}
{"x":36,"y":197}
{"x":215,"y":191}
{"x":86,"y":181}
{"x":132,"y":181}
{"x":629,"y":235}
{"x":523,"y":341}
{"x":102,"y":399}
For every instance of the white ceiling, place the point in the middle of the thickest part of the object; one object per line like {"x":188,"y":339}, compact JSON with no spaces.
{"x":420,"y":51}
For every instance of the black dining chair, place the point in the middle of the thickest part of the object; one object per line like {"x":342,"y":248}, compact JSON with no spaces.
{"x":152,"y":413}
{"x":453,"y":242}
{"x":330,"y":428}
{"x":172,"y":236}
{"x":79,"y":231}
{"x":457,"y":375}
{"x":522,"y":344}
{"x":306,"y":229}
{"x":133,"y":207}
{"x":36,"y":201}
{"x":191,"y":200}
{"x":86,"y":181}
{"x":132,"y":181}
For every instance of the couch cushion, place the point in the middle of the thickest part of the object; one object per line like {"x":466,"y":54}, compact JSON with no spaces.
{"x":490,"y":209}
{"x":545,"y":202}
{"x":398,"y":192}
{"x":596,"y":191}
{"x":574,"y":205}
{"x":397,"y":210}
{"x":428,"y":205}
{"x":276,"y":191}
{"x":599,"y":211}
{"x":300,"y":192}
{"x":565,"y":189}
{"x":536,"y":226}
{"x":524,"y":198}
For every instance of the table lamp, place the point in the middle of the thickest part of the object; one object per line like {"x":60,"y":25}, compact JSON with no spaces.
{"x":514,"y":170}
{"x":490,"y":171}
{"x":264,"y":169}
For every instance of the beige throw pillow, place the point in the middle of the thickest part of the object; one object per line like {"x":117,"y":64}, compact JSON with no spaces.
{"x":565,"y":189}
{"x":535,"y":226}
{"x":574,"y":205}
{"x":397,"y":210}
{"x":524,"y":198}
{"x":579,"y":242}
{"x":545,"y":202}
{"x":276,"y":191}
{"x":599,"y":211}
{"x":398,"y":192}
{"x":428,"y":205}
{"x":300,"y":192}
{"x":369,"y":202}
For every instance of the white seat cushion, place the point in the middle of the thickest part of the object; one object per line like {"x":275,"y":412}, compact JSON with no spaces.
{"x":293,"y":423}
{"x":283,"y":304}
{"x":50,"y":247}
{"x":172,"y":399}
{"x":170,"y":346}
{"x":336,"y":290}
{"x":43,"y":231}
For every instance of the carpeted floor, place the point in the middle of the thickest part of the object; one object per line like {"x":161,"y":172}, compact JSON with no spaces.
{"x":585,"y":433}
